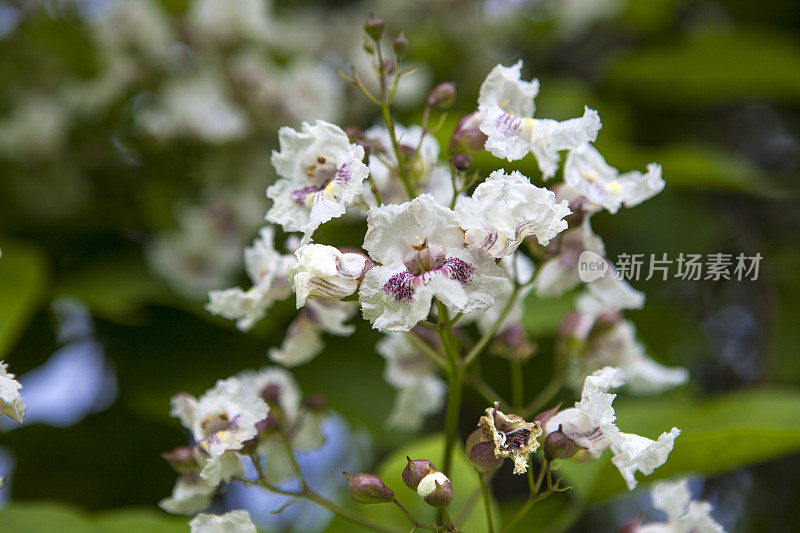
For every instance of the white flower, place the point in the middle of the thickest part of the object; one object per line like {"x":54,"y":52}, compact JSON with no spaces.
{"x":591,"y":424}
{"x":325,"y":271}
{"x":10,"y":399}
{"x":273,"y":381}
{"x":420,"y":391}
{"x":36,"y":128}
{"x":198,"y":107}
{"x":618,"y":347}
{"x":321,"y":173}
{"x":141,"y":26}
{"x":224,"y":21}
{"x":601,"y":184}
{"x":269,"y":272}
{"x":506,"y":106}
{"x":505,"y":209}
{"x":190,"y":494}
{"x":559,"y":274}
{"x":220,"y":421}
{"x":684,"y":515}
{"x":231,"y":522}
{"x":422,"y":255}
{"x":303,"y":340}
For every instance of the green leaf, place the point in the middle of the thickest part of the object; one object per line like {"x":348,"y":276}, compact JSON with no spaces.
{"x":45,"y":517}
{"x":22,"y":281}
{"x":463,"y":479}
{"x":718,"y":435}
{"x":712,"y":68}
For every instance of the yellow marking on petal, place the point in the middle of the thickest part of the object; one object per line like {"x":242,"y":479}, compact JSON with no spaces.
{"x":614,"y":187}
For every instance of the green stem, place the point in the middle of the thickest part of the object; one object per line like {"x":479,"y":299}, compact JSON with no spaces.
{"x":455,"y":383}
{"x":447,"y":520}
{"x":411,"y":517}
{"x":401,"y":167}
{"x":486,"y":502}
{"x":517,"y":385}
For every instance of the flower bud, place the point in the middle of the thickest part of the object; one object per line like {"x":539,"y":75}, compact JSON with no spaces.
{"x":374,"y":27}
{"x":442,"y":96}
{"x":435,"y":489}
{"x":181,"y":459}
{"x":544,"y":416}
{"x":558,"y":446}
{"x":462,"y":162}
{"x":415,"y":470}
{"x":467,"y":137}
{"x":368,"y":488}
{"x":483,"y":458}
{"x":400,"y":45}
{"x":271,"y":394}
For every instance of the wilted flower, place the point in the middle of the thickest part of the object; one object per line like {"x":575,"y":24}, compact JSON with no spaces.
{"x":591,"y":425}
{"x":10,"y":399}
{"x":505,"y":209}
{"x":422,"y":255}
{"x":268,"y":270}
{"x":512,"y":436}
{"x":234,"y":521}
{"x":420,"y":391}
{"x":325,"y":271}
{"x":506,"y":106}
{"x":588,"y":174}
{"x":684,"y":515}
{"x":322,"y":173}
{"x":303,"y":340}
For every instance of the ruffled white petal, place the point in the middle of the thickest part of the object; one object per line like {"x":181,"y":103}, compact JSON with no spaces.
{"x":231,"y":522}
{"x":11,"y":403}
{"x":505,"y":209}
{"x":325,"y":271}
{"x":588,"y":174}
{"x":190,"y":494}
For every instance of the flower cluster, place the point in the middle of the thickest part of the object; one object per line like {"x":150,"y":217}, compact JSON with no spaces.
{"x":441,"y":264}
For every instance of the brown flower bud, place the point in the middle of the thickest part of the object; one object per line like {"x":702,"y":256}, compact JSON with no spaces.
{"x":374,"y":27}
{"x":181,"y":459}
{"x":316,"y":402}
{"x":462,"y":162}
{"x":368,"y":488}
{"x":442,"y":96}
{"x":400,"y":45}
{"x":483,"y":458}
{"x":415,"y":470}
{"x":467,"y":137}
{"x":271,"y":394}
{"x":435,"y":489}
{"x":558,"y":446}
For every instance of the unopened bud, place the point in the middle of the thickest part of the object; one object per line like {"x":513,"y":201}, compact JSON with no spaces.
{"x":368,"y":488}
{"x":544,"y":416}
{"x":442,"y":96}
{"x":400,"y":45}
{"x":181,"y":459}
{"x":374,"y":27}
{"x":435,"y":489}
{"x":483,"y":458}
{"x":271,"y":394}
{"x":369,"y":47}
{"x":415,"y":470}
{"x":558,"y":446}
{"x":467,"y":137}
{"x":462,"y":162}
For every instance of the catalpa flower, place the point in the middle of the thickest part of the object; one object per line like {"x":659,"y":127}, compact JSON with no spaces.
{"x":322,"y":173}
{"x":588,"y":174}
{"x":233,"y":521}
{"x":220,"y":421}
{"x":619,"y":347}
{"x":303,"y":341}
{"x":505,"y":209}
{"x":422,"y":255}
{"x":591,"y":424}
{"x":10,"y":399}
{"x":268,"y":270}
{"x":420,"y":391}
{"x":512,"y":436}
{"x":506,"y":106}
{"x":684,"y":515}
{"x":325,"y":271}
